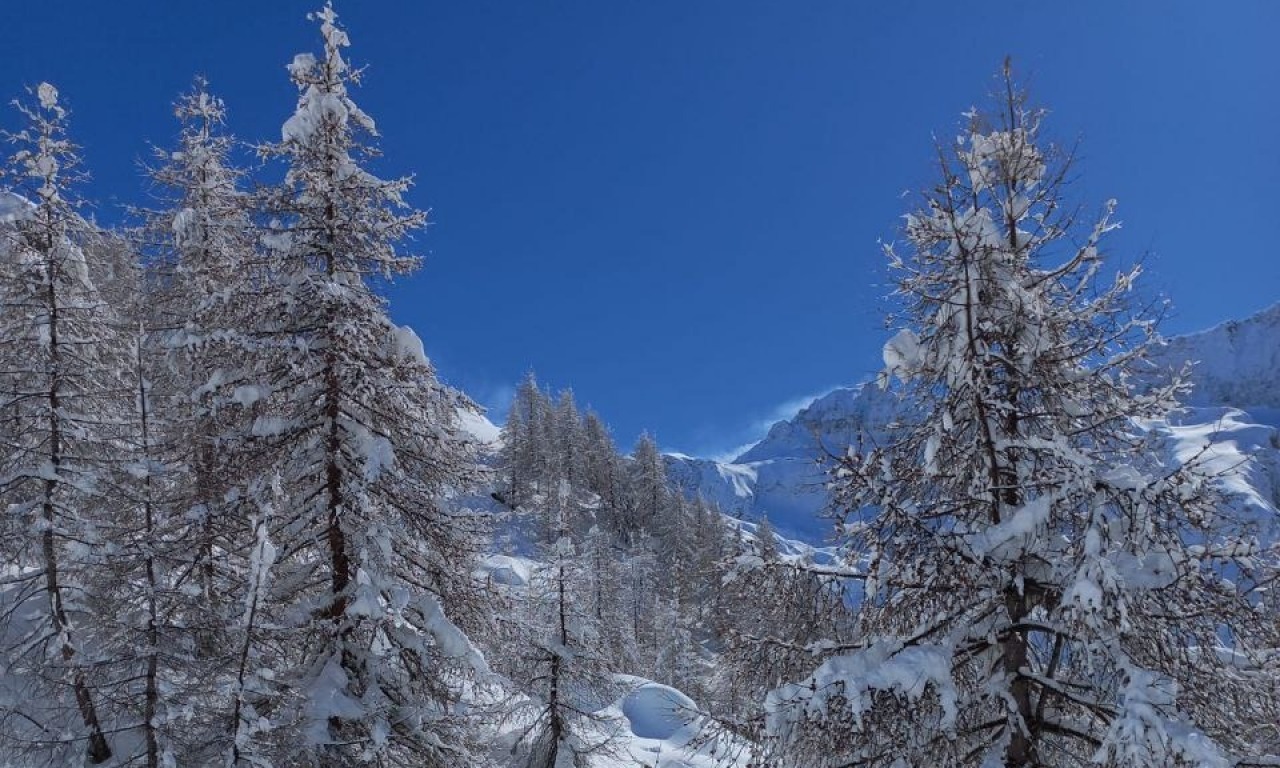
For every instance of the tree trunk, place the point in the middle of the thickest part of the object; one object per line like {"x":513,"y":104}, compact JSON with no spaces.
{"x":151,"y":700}
{"x":99,"y":750}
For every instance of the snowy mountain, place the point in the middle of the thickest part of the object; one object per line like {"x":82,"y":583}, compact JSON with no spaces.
{"x":1236,"y":364}
{"x":781,"y":476}
{"x":478,"y":426}
{"x":13,"y":207}
{"x":1234,"y":404}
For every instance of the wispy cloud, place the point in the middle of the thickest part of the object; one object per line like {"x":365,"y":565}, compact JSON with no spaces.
{"x":737,"y":441}
{"x":788,"y":410}
{"x":496,"y":400}
{"x":725,"y":457}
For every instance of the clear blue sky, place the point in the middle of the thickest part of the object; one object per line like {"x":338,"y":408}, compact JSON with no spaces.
{"x":674,"y":206}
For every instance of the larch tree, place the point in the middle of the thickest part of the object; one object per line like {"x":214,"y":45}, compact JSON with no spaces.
{"x":62,"y":367}
{"x":206,"y":278}
{"x":526,"y":443}
{"x":513,"y":488}
{"x":570,"y":440}
{"x":602,"y":469}
{"x":712,"y":541}
{"x":564,"y":668}
{"x":140,"y":615}
{"x":648,"y":493}
{"x":1044,"y":584}
{"x":364,"y":445}
{"x":776,"y":613}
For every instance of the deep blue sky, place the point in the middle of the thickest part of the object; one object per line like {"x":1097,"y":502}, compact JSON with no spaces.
{"x":674,"y":206}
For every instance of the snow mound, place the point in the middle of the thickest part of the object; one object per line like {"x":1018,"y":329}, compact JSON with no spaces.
{"x":658,"y":711}
{"x":657,"y":726}
{"x":507,"y":570}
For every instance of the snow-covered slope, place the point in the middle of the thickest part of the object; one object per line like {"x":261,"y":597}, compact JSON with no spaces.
{"x":781,"y":476}
{"x":731,"y":486}
{"x":1235,"y":404}
{"x":1243,"y":449}
{"x":478,"y":426}
{"x":1236,"y":364}
{"x":13,"y":208}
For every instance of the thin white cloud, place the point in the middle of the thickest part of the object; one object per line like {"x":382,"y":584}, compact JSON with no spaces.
{"x":788,"y":410}
{"x":742,"y":439}
{"x":496,"y":401}
{"x":726,"y":457}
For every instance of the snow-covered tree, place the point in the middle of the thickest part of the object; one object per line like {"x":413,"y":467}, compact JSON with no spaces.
{"x":564,"y":672}
{"x":677,"y":660}
{"x":711,"y":541}
{"x":526,"y":442}
{"x":603,"y":473}
{"x":775,"y":613}
{"x":766,"y":541}
{"x":1044,"y":584}
{"x":198,"y":359}
{"x":208,"y":280}
{"x":513,"y":489}
{"x":63,"y":404}
{"x":607,"y":597}
{"x":143,"y":617}
{"x":363,"y":442}
{"x":570,"y":440}
{"x":647,"y":491}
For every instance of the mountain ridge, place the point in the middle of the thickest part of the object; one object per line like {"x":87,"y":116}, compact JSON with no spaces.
{"x":1234,"y":402}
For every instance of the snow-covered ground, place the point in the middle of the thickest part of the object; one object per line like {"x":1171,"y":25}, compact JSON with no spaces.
{"x":648,"y":725}
{"x":659,"y":728}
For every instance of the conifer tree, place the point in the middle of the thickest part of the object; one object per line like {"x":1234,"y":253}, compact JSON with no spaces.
{"x":526,"y":447}
{"x":514,"y":487}
{"x":364,"y":444}
{"x":570,"y":439}
{"x":566,"y":668}
{"x":600,"y":470}
{"x":197,"y":311}
{"x":63,"y":364}
{"x":1042,"y":588}
{"x":144,"y":613}
{"x":766,"y":541}
{"x":609,"y":599}
{"x":209,"y":277}
{"x":647,"y":488}
{"x":712,"y":542}
{"x":776,"y":614}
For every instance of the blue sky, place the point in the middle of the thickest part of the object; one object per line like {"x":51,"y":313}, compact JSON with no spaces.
{"x":674,"y":207}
